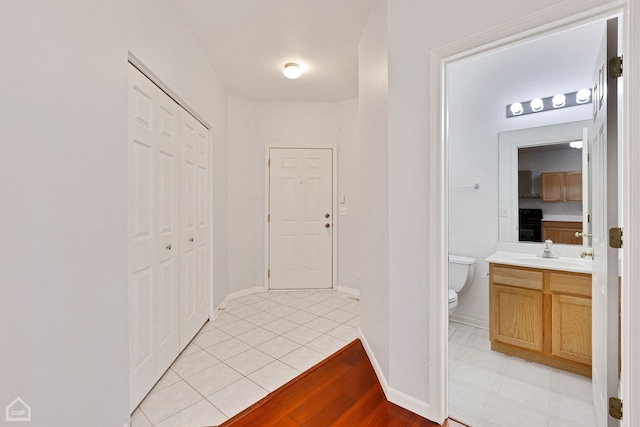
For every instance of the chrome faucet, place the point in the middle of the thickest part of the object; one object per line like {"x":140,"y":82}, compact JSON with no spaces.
{"x":546,"y":253}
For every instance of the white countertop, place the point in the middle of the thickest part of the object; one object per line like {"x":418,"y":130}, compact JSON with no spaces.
{"x":576,"y":265}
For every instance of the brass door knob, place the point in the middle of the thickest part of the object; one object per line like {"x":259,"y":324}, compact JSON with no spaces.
{"x":580,"y":234}
{"x":327,"y":225}
{"x":586,"y":253}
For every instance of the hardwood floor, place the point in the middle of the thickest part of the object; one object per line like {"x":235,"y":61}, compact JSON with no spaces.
{"x":341,"y":391}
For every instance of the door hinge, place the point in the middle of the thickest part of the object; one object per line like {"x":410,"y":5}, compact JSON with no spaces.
{"x":615,"y":238}
{"x":615,"y":408}
{"x":615,"y":67}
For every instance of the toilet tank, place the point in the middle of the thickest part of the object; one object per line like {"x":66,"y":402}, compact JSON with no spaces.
{"x":460,"y":271}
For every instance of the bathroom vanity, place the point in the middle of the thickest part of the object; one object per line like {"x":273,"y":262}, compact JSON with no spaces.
{"x":540,"y":310}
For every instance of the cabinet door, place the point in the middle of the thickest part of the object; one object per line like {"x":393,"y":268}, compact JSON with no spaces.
{"x":552,"y":186}
{"x":573,"y":186}
{"x":571,"y":328}
{"x":517,"y":316}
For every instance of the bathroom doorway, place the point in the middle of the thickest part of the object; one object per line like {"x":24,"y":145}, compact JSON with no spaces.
{"x":486,"y":386}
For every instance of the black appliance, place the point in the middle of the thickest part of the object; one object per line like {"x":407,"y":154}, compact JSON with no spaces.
{"x":530,"y":225}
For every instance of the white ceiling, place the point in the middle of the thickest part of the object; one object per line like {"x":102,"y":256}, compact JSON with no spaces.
{"x":559,"y":63}
{"x":249,"y":41}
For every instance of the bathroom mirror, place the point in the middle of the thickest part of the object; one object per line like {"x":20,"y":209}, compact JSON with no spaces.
{"x":524,"y":214}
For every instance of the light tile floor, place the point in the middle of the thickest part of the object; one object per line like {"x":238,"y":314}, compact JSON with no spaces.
{"x":490,"y":389}
{"x":258,"y":343}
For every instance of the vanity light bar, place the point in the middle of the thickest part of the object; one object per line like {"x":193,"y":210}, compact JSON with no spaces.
{"x":556,"y":102}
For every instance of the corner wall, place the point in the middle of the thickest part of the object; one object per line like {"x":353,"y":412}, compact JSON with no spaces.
{"x":374,"y":219}
{"x":63,"y":165}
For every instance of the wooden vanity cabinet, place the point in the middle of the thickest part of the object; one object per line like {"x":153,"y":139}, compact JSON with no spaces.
{"x":541,"y":315}
{"x":561,"y":186}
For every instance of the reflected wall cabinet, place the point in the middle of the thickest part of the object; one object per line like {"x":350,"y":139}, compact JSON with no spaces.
{"x":561,"y":186}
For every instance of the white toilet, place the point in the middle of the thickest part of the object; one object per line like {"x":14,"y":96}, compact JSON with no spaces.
{"x":460,"y":275}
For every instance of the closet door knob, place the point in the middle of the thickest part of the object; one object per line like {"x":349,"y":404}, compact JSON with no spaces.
{"x":168,"y":246}
{"x":191,"y":239}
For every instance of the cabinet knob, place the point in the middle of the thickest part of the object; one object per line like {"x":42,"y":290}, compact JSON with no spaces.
{"x":327,"y":225}
{"x":168,"y":246}
{"x":191,"y":239}
{"x":580,"y":234}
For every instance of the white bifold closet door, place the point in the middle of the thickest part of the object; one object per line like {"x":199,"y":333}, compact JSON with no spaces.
{"x":194,"y":228}
{"x":168,"y":231}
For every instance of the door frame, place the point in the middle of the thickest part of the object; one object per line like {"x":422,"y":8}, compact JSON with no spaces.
{"x":334,"y":208}
{"x":550,"y":20}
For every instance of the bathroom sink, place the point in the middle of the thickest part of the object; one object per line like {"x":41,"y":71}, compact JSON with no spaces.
{"x":550,"y":262}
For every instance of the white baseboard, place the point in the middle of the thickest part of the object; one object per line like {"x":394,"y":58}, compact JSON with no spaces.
{"x":350,"y":291}
{"x":409,"y":403}
{"x":235,"y":295}
{"x":401,"y":399}
{"x":374,"y":362}
{"x":483,"y":324}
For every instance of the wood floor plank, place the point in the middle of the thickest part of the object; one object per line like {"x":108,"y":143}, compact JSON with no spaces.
{"x":341,"y":391}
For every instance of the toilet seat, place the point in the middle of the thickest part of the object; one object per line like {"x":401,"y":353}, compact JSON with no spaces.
{"x":453,"y":296}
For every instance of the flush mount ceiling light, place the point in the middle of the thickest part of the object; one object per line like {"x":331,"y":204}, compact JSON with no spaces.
{"x":292,"y":70}
{"x":556,"y":102}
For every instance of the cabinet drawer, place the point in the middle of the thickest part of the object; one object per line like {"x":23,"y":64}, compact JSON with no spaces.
{"x":521,"y":278}
{"x":575,"y":284}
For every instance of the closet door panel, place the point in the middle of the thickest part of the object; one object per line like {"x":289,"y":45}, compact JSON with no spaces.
{"x":143,"y":266}
{"x":194,"y":190}
{"x":153,"y":233}
{"x":167,"y":180}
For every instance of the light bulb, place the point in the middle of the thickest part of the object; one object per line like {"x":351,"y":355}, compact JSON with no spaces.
{"x":292,"y":70}
{"x":583,"y":96}
{"x":516,"y":109}
{"x":575,"y":144}
{"x":537,"y":104}
{"x":559,"y":100}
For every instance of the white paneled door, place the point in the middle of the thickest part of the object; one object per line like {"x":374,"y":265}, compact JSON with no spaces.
{"x":604,"y":154}
{"x":168,"y":271}
{"x":194,"y":233}
{"x":301,"y":223}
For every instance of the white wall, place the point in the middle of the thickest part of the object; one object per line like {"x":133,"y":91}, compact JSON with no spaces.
{"x":409,"y":30}
{"x":252,"y":125}
{"x":63,"y":168}
{"x":374,"y":219}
